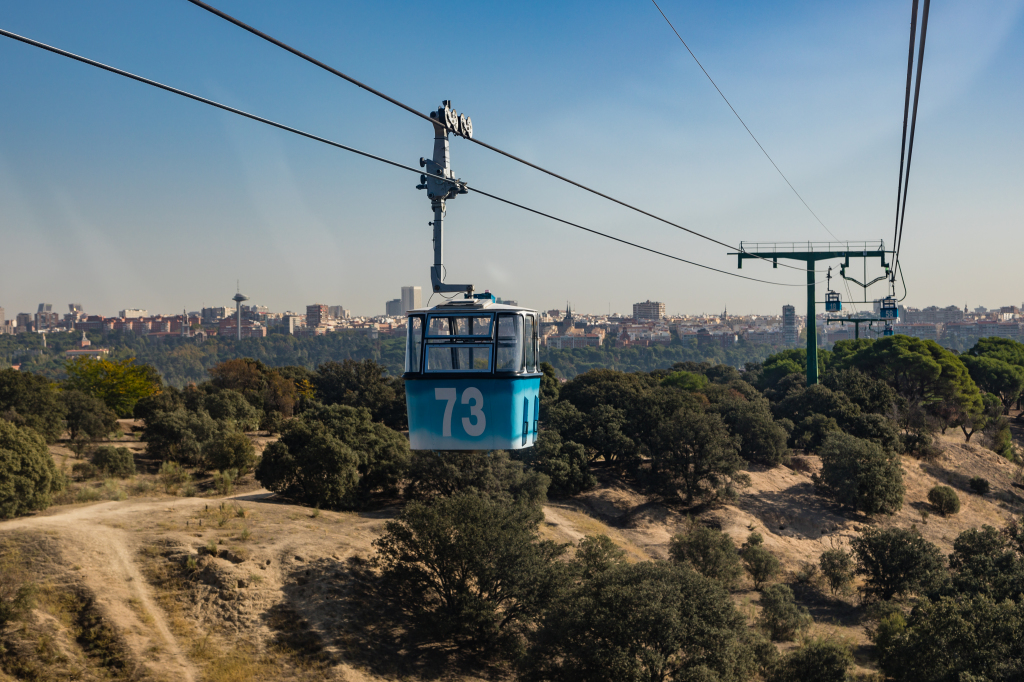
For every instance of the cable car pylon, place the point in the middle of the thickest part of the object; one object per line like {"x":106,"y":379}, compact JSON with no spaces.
{"x":811,"y":253}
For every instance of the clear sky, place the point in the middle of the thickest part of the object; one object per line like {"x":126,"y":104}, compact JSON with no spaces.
{"x":117,"y":195}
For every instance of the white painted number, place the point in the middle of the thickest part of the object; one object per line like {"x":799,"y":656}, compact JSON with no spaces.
{"x":475,"y":410}
{"x":449,"y":395}
{"x":474,"y":426}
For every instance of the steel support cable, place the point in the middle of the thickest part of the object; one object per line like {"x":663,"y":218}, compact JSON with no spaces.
{"x":316,"y":62}
{"x":906,"y":117}
{"x":317,"y":138}
{"x":742,"y":122}
{"x":913,"y":127}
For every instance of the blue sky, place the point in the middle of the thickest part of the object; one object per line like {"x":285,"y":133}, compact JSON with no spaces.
{"x":116,"y":195}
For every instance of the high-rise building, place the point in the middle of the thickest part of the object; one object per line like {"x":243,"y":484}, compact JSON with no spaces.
{"x":790,"y":330}
{"x":45,"y":317}
{"x":2,"y":325}
{"x":648,"y":310}
{"x":412,"y":298}
{"x":316,"y":315}
{"x":338,"y":312}
{"x":24,"y":322}
{"x":394,"y":307}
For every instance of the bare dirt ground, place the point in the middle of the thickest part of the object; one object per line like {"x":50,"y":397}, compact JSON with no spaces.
{"x":246,"y":588}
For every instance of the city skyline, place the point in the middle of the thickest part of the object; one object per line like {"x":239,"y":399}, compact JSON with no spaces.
{"x":109,"y":186}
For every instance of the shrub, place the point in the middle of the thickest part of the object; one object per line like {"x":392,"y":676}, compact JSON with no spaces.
{"x":16,"y":592}
{"x":224,"y":481}
{"x":838,"y":568}
{"x":858,"y":473}
{"x":710,"y":552}
{"x":172,"y":475}
{"x":28,"y":477}
{"x":230,"y":450}
{"x":818,"y":660}
{"x":760,"y":564}
{"x":84,"y":471}
{"x":897,"y":561}
{"x":944,"y":499}
{"x":979,"y":485}
{"x":780,"y":615}
{"x":119,"y":462}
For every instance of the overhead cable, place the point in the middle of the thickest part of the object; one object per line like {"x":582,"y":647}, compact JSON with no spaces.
{"x":316,"y":62}
{"x":905,"y":178}
{"x":742,"y":122}
{"x":317,"y":138}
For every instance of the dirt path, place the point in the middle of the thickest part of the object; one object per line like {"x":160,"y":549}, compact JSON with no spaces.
{"x":103,"y":555}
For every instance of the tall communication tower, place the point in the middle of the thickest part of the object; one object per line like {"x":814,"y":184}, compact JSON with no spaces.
{"x":238,"y":298}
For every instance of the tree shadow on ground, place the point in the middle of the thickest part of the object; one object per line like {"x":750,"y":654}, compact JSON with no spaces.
{"x":340,"y":610}
{"x":799,"y":511}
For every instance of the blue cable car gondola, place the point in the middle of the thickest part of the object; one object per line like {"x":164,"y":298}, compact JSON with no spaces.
{"x":889,"y":310}
{"x":472,"y":378}
{"x":888,"y":331}
{"x":832,"y":302}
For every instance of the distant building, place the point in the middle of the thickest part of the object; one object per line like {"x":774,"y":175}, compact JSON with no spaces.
{"x":133,"y":312}
{"x":45,"y":317}
{"x":338,"y":312}
{"x":213,"y":315}
{"x":790,"y":330}
{"x":316,"y":315}
{"x":412,"y":298}
{"x":394,"y":308}
{"x":649,"y":310}
{"x":2,"y":323}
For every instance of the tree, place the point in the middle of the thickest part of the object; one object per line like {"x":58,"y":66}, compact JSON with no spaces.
{"x":761,"y":564}
{"x":780,"y":616}
{"x":685,"y":381}
{"x":645,"y":621}
{"x":490,"y":474}
{"x":858,"y":473}
{"x":872,"y":396}
{"x":997,"y":377}
{"x":921,"y":371}
{"x":838,"y":568}
{"x":897,"y":561}
{"x":566,"y":464}
{"x":469,"y":569}
{"x":549,"y":388}
{"x":362,"y":384}
{"x":230,"y":450}
{"x":181,"y":435}
{"x":955,"y":639}
{"x":28,"y":476}
{"x":1006,"y":350}
{"x":595,"y":554}
{"x":708,"y":551}
{"x":335,"y":457}
{"x":818,"y":660}
{"x":31,"y":400}
{"x":118,"y":383}
{"x":231,"y":406}
{"x":944,"y":499}
{"x":695,"y":456}
{"x":87,"y":416}
{"x":748,"y":415}
{"x":985,"y":561}
{"x":112,"y":461}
